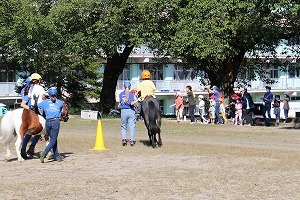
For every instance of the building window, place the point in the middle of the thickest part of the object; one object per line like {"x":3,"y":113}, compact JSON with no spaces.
{"x":182,"y":73}
{"x":294,"y":73}
{"x":155,"y":70}
{"x":297,"y":98}
{"x":274,"y":72}
{"x":125,"y":75}
{"x":7,"y":76}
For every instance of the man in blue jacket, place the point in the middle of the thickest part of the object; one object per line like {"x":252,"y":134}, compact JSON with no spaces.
{"x":267,"y":99}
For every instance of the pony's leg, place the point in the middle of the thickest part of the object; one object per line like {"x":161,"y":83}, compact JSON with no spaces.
{"x":7,"y":145}
{"x":153,"y":140}
{"x":150,"y":138}
{"x":17,"y":145}
{"x":159,"y":140}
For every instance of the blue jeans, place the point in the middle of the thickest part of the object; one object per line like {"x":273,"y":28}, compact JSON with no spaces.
{"x":52,"y":127}
{"x":217,"y":112}
{"x":26,"y":139}
{"x":128,"y":118}
{"x":277,"y":114}
{"x":267,"y":109}
{"x":286,"y":113}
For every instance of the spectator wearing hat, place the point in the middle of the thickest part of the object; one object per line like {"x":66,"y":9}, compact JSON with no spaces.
{"x":201,"y":107}
{"x":248,"y":106}
{"x":267,"y":99}
{"x":128,"y":119}
{"x":215,"y":91}
{"x":178,"y":106}
{"x":286,"y":106}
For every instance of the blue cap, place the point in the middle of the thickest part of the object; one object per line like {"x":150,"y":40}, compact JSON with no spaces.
{"x":215,"y":87}
{"x":52,"y":91}
{"x":28,"y":79}
{"x":127,"y":84}
{"x":28,"y":82}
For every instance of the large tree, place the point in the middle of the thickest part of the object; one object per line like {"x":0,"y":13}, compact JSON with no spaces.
{"x":51,"y":38}
{"x":213,"y":36}
{"x":124,"y":24}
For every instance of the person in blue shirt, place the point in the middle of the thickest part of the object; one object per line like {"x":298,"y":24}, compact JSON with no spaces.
{"x":128,"y":118}
{"x":52,"y":108}
{"x":267,"y":99}
{"x":26,"y":105}
{"x":215,"y":91}
{"x":26,"y":87}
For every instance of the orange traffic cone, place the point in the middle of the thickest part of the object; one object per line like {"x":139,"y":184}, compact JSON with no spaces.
{"x":99,"y":144}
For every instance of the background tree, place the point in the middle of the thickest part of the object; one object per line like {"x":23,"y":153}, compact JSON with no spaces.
{"x":213,"y":36}
{"x":51,"y":38}
{"x":124,"y":24}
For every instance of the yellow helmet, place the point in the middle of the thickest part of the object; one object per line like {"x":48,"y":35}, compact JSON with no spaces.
{"x":35,"y":76}
{"x":146,"y":74}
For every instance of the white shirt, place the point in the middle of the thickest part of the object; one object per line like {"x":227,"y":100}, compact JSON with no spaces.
{"x":38,"y":91}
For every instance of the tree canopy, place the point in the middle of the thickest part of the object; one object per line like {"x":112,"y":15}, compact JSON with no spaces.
{"x":66,"y":41}
{"x":213,"y":36}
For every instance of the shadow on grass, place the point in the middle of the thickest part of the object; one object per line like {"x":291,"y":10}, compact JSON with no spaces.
{"x":290,"y":127}
{"x":145,"y":142}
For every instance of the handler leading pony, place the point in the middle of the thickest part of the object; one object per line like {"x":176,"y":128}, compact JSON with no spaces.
{"x":152,"y":118}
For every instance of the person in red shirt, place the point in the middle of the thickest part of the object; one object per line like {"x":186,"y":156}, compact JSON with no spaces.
{"x":179,"y":106}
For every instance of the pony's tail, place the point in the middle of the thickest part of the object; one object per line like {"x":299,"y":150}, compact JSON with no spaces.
{"x":7,"y":126}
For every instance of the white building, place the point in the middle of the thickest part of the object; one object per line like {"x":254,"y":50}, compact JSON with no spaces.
{"x":170,"y":78}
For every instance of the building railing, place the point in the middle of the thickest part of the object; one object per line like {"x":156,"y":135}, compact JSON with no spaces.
{"x":167,"y":85}
{"x":280,"y":83}
{"x":7,"y":89}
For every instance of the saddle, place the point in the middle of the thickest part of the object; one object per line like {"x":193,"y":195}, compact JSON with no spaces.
{"x":149,"y":96}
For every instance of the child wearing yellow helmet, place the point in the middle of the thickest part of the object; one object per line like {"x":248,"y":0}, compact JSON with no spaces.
{"x":146,"y":88}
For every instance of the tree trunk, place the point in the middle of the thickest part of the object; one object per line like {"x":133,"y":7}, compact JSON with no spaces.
{"x":226,"y":74}
{"x":114,"y":67}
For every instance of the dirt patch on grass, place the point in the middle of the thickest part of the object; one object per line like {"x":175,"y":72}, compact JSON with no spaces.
{"x":196,"y":162}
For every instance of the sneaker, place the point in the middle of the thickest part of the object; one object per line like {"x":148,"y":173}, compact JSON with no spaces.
{"x":42,"y":156}
{"x":59,"y":159}
{"x":124,"y":142}
{"x":132,"y":142}
{"x":192,"y":122}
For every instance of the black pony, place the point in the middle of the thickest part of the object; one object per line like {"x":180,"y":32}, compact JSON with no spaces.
{"x":152,"y":118}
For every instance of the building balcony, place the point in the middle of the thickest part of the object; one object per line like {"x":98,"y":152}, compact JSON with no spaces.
{"x":280,"y":84}
{"x":167,"y":85}
{"x":7,"y":89}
